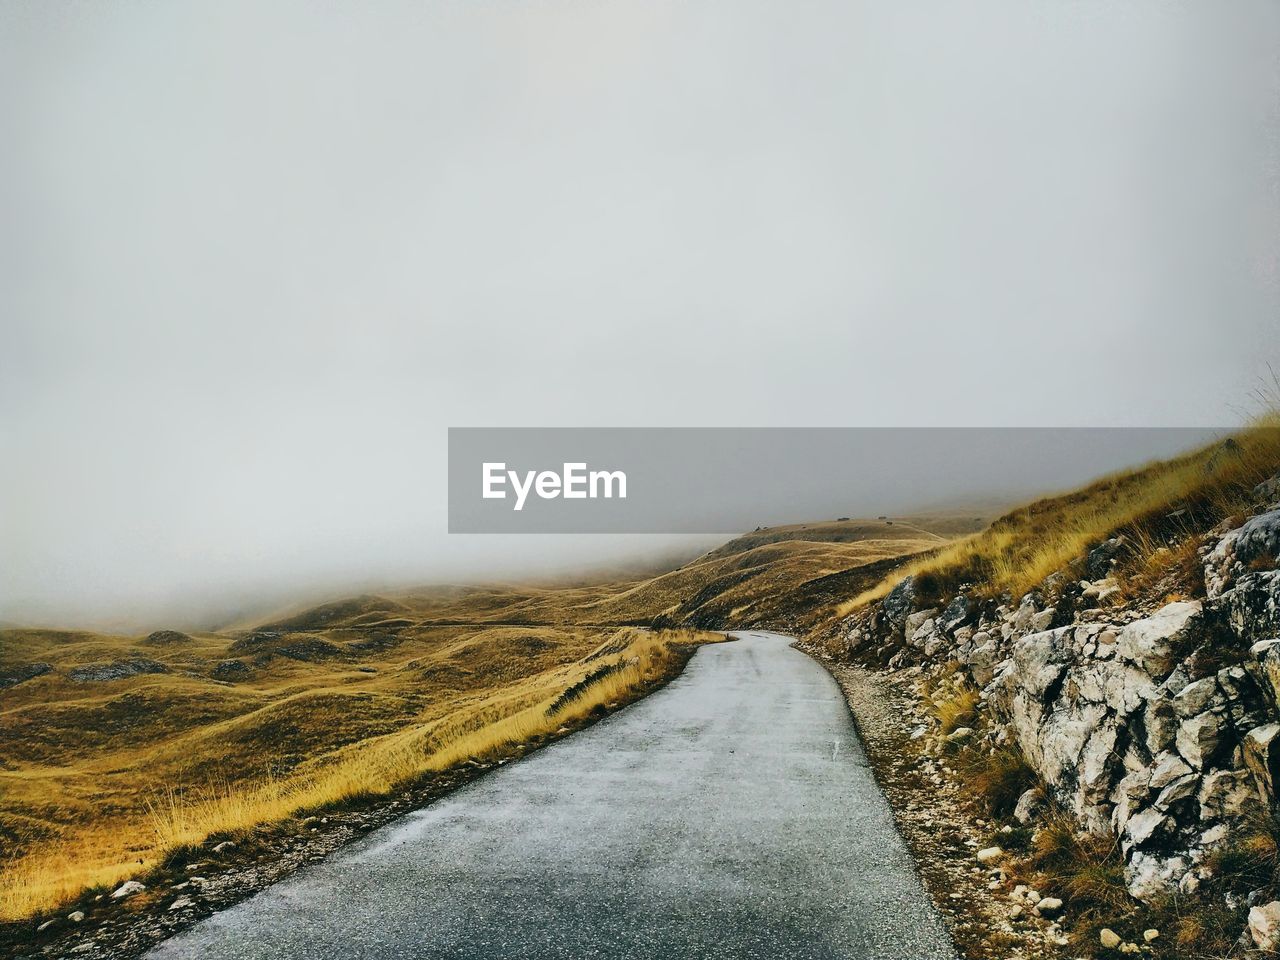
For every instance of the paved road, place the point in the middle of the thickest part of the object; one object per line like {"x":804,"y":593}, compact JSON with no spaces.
{"x":729,"y":815}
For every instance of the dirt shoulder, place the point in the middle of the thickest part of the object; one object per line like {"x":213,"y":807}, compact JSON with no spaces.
{"x":940,"y":825}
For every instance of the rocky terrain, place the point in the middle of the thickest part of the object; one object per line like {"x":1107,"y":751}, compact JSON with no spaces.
{"x":1142,"y":711}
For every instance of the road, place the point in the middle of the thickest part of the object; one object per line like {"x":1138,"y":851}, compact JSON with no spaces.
{"x":729,"y":815}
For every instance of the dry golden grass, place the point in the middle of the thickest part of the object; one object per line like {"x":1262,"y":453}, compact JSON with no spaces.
{"x":998,"y":778}
{"x":64,"y":845}
{"x":1022,"y":548}
{"x":956,"y":710}
{"x":776,"y":574}
{"x":1085,"y":867}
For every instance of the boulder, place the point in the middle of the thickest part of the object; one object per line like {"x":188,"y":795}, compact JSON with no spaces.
{"x":1142,"y":827}
{"x":1182,"y":788}
{"x":1258,"y":541}
{"x":1099,"y":561}
{"x":1129,"y":796}
{"x":1267,"y":492}
{"x":1252,"y":606}
{"x":1160,"y":726}
{"x":1150,"y":876}
{"x":918,"y":628}
{"x":1261,"y":749}
{"x":1228,"y":795}
{"x":1030,"y":805}
{"x":1097,"y":766}
{"x":1049,"y":907}
{"x":1043,"y":620}
{"x":1156,"y":643}
{"x":1198,"y":739}
{"x":1039,"y":660}
{"x":901,"y":600}
{"x":956,"y":614}
{"x":1196,"y":697}
{"x":1220,"y":566}
{"x":983,"y":659}
{"x":1167,"y":768}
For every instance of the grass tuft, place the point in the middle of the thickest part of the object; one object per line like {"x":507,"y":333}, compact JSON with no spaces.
{"x":956,"y":710}
{"x":1085,"y":868}
{"x":998,"y":778}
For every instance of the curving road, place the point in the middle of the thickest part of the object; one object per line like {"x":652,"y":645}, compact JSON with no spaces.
{"x":729,"y":815}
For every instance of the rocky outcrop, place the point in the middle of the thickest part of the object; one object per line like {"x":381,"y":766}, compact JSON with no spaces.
{"x":12,"y":676}
{"x":1252,"y":606}
{"x":1158,"y":725}
{"x":231,"y":670}
{"x":115,"y":670}
{"x":1257,"y":542}
{"x":166,"y":638}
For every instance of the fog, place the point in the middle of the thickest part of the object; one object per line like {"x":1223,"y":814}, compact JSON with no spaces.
{"x":256,"y":258}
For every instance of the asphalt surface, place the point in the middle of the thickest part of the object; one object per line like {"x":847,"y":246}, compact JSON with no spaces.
{"x":729,"y":815}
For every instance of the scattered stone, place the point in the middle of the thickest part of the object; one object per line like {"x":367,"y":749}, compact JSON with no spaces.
{"x":127,"y":889}
{"x":990,"y":855}
{"x":224,"y":846}
{"x":182,"y":903}
{"x":76,"y":916}
{"x":1049,"y":906}
{"x":1109,"y":938}
{"x":1030,"y":805}
{"x":1150,"y":935}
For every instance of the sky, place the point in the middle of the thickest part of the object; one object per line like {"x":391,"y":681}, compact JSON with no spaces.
{"x":256,"y":258}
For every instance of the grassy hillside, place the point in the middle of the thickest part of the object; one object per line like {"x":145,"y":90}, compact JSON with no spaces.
{"x":773,"y":576}
{"x":1154,"y":507}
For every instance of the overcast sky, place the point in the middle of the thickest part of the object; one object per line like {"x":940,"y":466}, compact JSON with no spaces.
{"x":256,"y":257}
